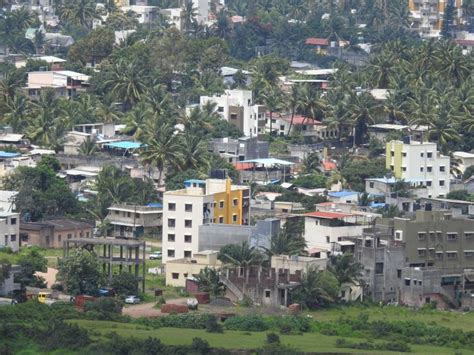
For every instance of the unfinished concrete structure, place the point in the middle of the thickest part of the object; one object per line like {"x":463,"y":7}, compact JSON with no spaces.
{"x":114,"y":252}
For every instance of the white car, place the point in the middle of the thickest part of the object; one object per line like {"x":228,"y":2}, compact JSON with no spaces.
{"x":132,"y":300}
{"x":155,"y":255}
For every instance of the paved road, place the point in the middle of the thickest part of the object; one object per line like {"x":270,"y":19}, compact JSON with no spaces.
{"x":147,"y":310}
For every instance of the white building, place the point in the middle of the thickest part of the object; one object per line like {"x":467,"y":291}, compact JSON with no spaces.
{"x":174,"y":17}
{"x":145,"y":14}
{"x":307,"y":126}
{"x":10,"y":230}
{"x":464,"y":159}
{"x":200,"y":202}
{"x":237,"y":108}
{"x":324,"y":230}
{"x":420,"y":161}
{"x":202,"y":10}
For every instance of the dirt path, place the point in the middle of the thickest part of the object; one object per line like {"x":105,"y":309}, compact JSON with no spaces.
{"x":147,"y":310}
{"x":49,"y":276}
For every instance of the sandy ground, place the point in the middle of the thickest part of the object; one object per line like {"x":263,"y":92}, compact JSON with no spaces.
{"x":49,"y":276}
{"x":147,"y":310}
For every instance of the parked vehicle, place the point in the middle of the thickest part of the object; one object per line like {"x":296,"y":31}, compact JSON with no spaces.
{"x":44,"y":296}
{"x":155,"y":255}
{"x":132,"y":300}
{"x":106,"y":292}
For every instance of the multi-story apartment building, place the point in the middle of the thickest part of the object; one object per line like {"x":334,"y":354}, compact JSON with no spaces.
{"x":326,"y":230}
{"x":420,"y":162}
{"x":132,"y":221}
{"x":65,"y":83}
{"x":200,"y":202}
{"x":237,"y":150}
{"x":427,"y":15}
{"x":237,"y":107}
{"x":10,"y":230}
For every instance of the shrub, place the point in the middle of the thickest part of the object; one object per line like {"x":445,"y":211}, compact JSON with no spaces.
{"x":290,"y":324}
{"x":199,"y":345}
{"x":184,"y":320}
{"x":246,"y":323}
{"x":273,"y":338}
{"x":212,"y":326}
{"x":104,"y":309}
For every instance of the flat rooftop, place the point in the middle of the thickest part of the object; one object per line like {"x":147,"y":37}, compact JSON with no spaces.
{"x":107,"y":241}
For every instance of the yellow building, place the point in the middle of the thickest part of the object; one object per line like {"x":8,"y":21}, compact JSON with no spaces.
{"x":427,"y":15}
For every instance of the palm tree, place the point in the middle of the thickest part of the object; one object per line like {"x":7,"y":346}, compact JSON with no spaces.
{"x":289,"y":241}
{"x":209,"y":281}
{"x":188,"y":15}
{"x":241,"y":256}
{"x":293,"y":101}
{"x":194,"y":151}
{"x":162,"y":149}
{"x":39,"y":42}
{"x":127,"y":82}
{"x":272,"y":99}
{"x":107,"y":110}
{"x":9,"y":85}
{"x":362,"y":114}
{"x":311,"y":163}
{"x":18,"y":110}
{"x":312,"y":104}
{"x":78,"y":12}
{"x":395,"y":107}
{"x":88,"y":147}
{"x":316,"y":288}
{"x":346,"y":268}
{"x":451,"y":63}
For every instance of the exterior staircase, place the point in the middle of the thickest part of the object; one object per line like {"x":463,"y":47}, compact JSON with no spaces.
{"x":234,"y":289}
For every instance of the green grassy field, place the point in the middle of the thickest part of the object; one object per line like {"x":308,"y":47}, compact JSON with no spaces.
{"x":308,"y":342}
{"x":449,"y":319}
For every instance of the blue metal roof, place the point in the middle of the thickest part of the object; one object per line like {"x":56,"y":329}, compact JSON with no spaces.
{"x":342,"y":193}
{"x":124,"y":145}
{"x":155,"y":204}
{"x":8,"y":154}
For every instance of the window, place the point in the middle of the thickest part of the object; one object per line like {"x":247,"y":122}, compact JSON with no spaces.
{"x":421,"y":169}
{"x":378,"y":268}
{"x":13,"y":238}
{"x":452,"y":254}
{"x":451,"y":236}
{"x":235,"y":202}
{"x":137,"y":215}
{"x":468,"y":235}
{"x":422,"y":155}
{"x":442,"y":169}
{"x":188,"y":207}
{"x":469,"y":253}
{"x":171,"y":206}
{"x":187,"y":253}
{"x":221,"y":204}
{"x":170,"y":253}
{"x":233,"y":116}
{"x":398,"y":235}
{"x":328,"y":239}
{"x":404,"y":169}
{"x":221,"y":219}
{"x":171,"y":223}
{"x":220,"y":109}
{"x":422,"y":253}
{"x":282,"y":127}
{"x":234,"y":218}
{"x":188,"y":238}
{"x":12,"y":221}
{"x":267,"y":293}
{"x":429,"y":169}
{"x":175,"y":275}
{"x":407,"y":282}
{"x":399,"y":273}
{"x":59,"y":238}
{"x":404,"y":154}
{"x":371,"y":184}
{"x":441,"y":182}
{"x":439,"y":255}
{"x":69,"y":236}
{"x":421,"y":236}
{"x":117,"y":212}
{"x":428,"y":183}
{"x":129,"y":214}
{"x":392,"y":153}
{"x":87,"y":234}
{"x":429,"y":155}
{"x":171,"y":237}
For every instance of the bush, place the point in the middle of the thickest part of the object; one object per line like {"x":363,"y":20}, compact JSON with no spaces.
{"x":104,"y":309}
{"x":246,"y":323}
{"x":199,"y":345}
{"x":185,"y":320}
{"x":290,"y":324}
{"x":212,"y":326}
{"x":273,"y":338}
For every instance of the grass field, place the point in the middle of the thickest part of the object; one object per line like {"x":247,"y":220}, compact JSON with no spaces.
{"x":308,"y":342}
{"x":455,"y":320}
